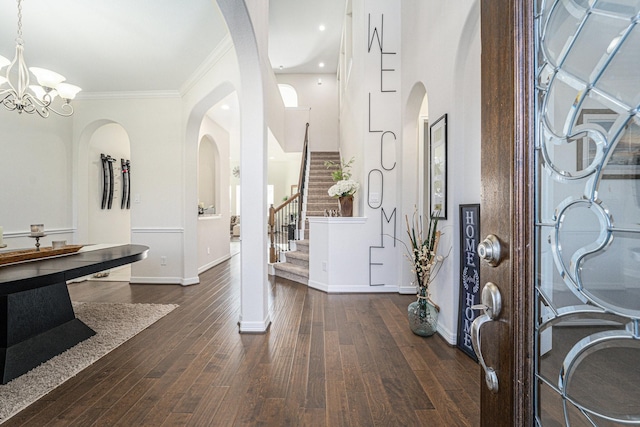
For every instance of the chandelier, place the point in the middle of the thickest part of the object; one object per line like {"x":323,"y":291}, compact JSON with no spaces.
{"x":21,"y":96}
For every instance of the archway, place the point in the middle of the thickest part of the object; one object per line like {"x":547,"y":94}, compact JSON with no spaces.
{"x":411,"y":186}
{"x":106,"y":216}
{"x":192,"y":142}
{"x":254,"y":317}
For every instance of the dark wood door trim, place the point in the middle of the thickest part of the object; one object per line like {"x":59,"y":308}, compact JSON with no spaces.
{"x":524,"y":215}
{"x":507,"y":203}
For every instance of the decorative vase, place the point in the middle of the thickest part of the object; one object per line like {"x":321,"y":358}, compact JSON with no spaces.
{"x":423,"y":317}
{"x":346,"y":205}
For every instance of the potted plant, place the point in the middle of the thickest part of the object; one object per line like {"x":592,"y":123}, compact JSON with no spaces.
{"x":344,"y":186}
{"x":423,"y":313}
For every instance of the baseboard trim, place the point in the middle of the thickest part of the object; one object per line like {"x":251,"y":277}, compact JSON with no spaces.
{"x":352,"y":289}
{"x":448,"y":336}
{"x":319,"y":286}
{"x":213,"y":263}
{"x":190,"y":281}
{"x":255,"y":327}
{"x":141,"y":280}
{"x":407,"y":290}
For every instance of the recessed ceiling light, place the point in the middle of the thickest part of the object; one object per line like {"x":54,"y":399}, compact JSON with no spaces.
{"x":321,"y":65}
{"x":322,"y":27}
{"x":224,"y":106}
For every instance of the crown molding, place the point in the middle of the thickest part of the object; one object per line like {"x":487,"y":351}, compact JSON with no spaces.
{"x":210,"y":61}
{"x":148,"y":94}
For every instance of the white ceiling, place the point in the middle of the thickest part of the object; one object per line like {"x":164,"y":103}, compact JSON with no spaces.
{"x":296,"y":43}
{"x":114,"y":45}
{"x":142,"y":45}
{"x":156,"y":45}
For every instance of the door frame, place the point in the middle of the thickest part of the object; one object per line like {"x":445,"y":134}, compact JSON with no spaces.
{"x":507,"y":194}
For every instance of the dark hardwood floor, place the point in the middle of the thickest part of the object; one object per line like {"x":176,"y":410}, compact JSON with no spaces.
{"x":327,"y":360}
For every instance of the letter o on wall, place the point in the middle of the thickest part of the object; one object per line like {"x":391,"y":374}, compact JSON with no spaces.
{"x":388,"y":151}
{"x":375,"y":184}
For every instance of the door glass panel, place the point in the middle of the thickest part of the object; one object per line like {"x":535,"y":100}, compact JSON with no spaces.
{"x":621,"y":76}
{"x":587,"y":203}
{"x":590,"y":46}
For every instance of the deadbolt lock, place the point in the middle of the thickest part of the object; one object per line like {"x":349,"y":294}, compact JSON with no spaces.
{"x":489,"y":250}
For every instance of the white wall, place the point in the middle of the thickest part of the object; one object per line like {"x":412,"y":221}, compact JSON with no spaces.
{"x":295,"y":124}
{"x":35,"y":177}
{"x":448,"y":68}
{"x":208,"y":170}
{"x":453,"y":87}
{"x":107,"y":225}
{"x":371,"y":131}
{"x":323,"y":101}
{"x":282,"y":175}
{"x":213,"y":230}
{"x":156,"y":176}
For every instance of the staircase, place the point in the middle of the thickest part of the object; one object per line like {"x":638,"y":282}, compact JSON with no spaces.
{"x":318,"y":200}
{"x":296,"y":265}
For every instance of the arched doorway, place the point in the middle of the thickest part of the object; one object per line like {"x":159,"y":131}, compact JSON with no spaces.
{"x":254,"y":315}
{"x":110,"y":224}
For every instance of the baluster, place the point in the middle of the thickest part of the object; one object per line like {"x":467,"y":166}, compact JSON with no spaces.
{"x":272,"y":248}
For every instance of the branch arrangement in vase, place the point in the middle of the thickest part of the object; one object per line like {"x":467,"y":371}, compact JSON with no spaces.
{"x":423,"y":252}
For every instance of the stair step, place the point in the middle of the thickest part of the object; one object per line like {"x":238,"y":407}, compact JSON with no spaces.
{"x":292,"y":272}
{"x":321,"y":213}
{"x":324,"y":153}
{"x":298,"y":258}
{"x":322,"y":205}
{"x":321,"y":192}
{"x":321,"y":186}
{"x":301,"y":245}
{"x":319,"y":197}
{"x":321,"y":163}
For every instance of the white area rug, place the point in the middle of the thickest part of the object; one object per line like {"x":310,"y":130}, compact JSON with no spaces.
{"x":114,"y":324}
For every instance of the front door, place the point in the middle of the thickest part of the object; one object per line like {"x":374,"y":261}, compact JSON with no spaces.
{"x":561,"y":193}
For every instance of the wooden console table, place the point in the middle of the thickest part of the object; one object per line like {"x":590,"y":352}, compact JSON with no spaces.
{"x":37,"y":321}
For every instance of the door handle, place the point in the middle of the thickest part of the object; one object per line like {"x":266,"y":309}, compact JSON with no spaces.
{"x":491,"y":303}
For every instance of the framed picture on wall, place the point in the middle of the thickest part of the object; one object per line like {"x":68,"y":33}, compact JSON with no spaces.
{"x":438,"y":166}
{"x":624,"y":163}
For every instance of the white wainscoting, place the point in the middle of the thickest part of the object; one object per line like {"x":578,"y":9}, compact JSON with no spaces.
{"x":164,"y":262}
{"x":339,"y":255}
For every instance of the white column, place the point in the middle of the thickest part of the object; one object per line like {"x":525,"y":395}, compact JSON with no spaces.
{"x":254,"y":316}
